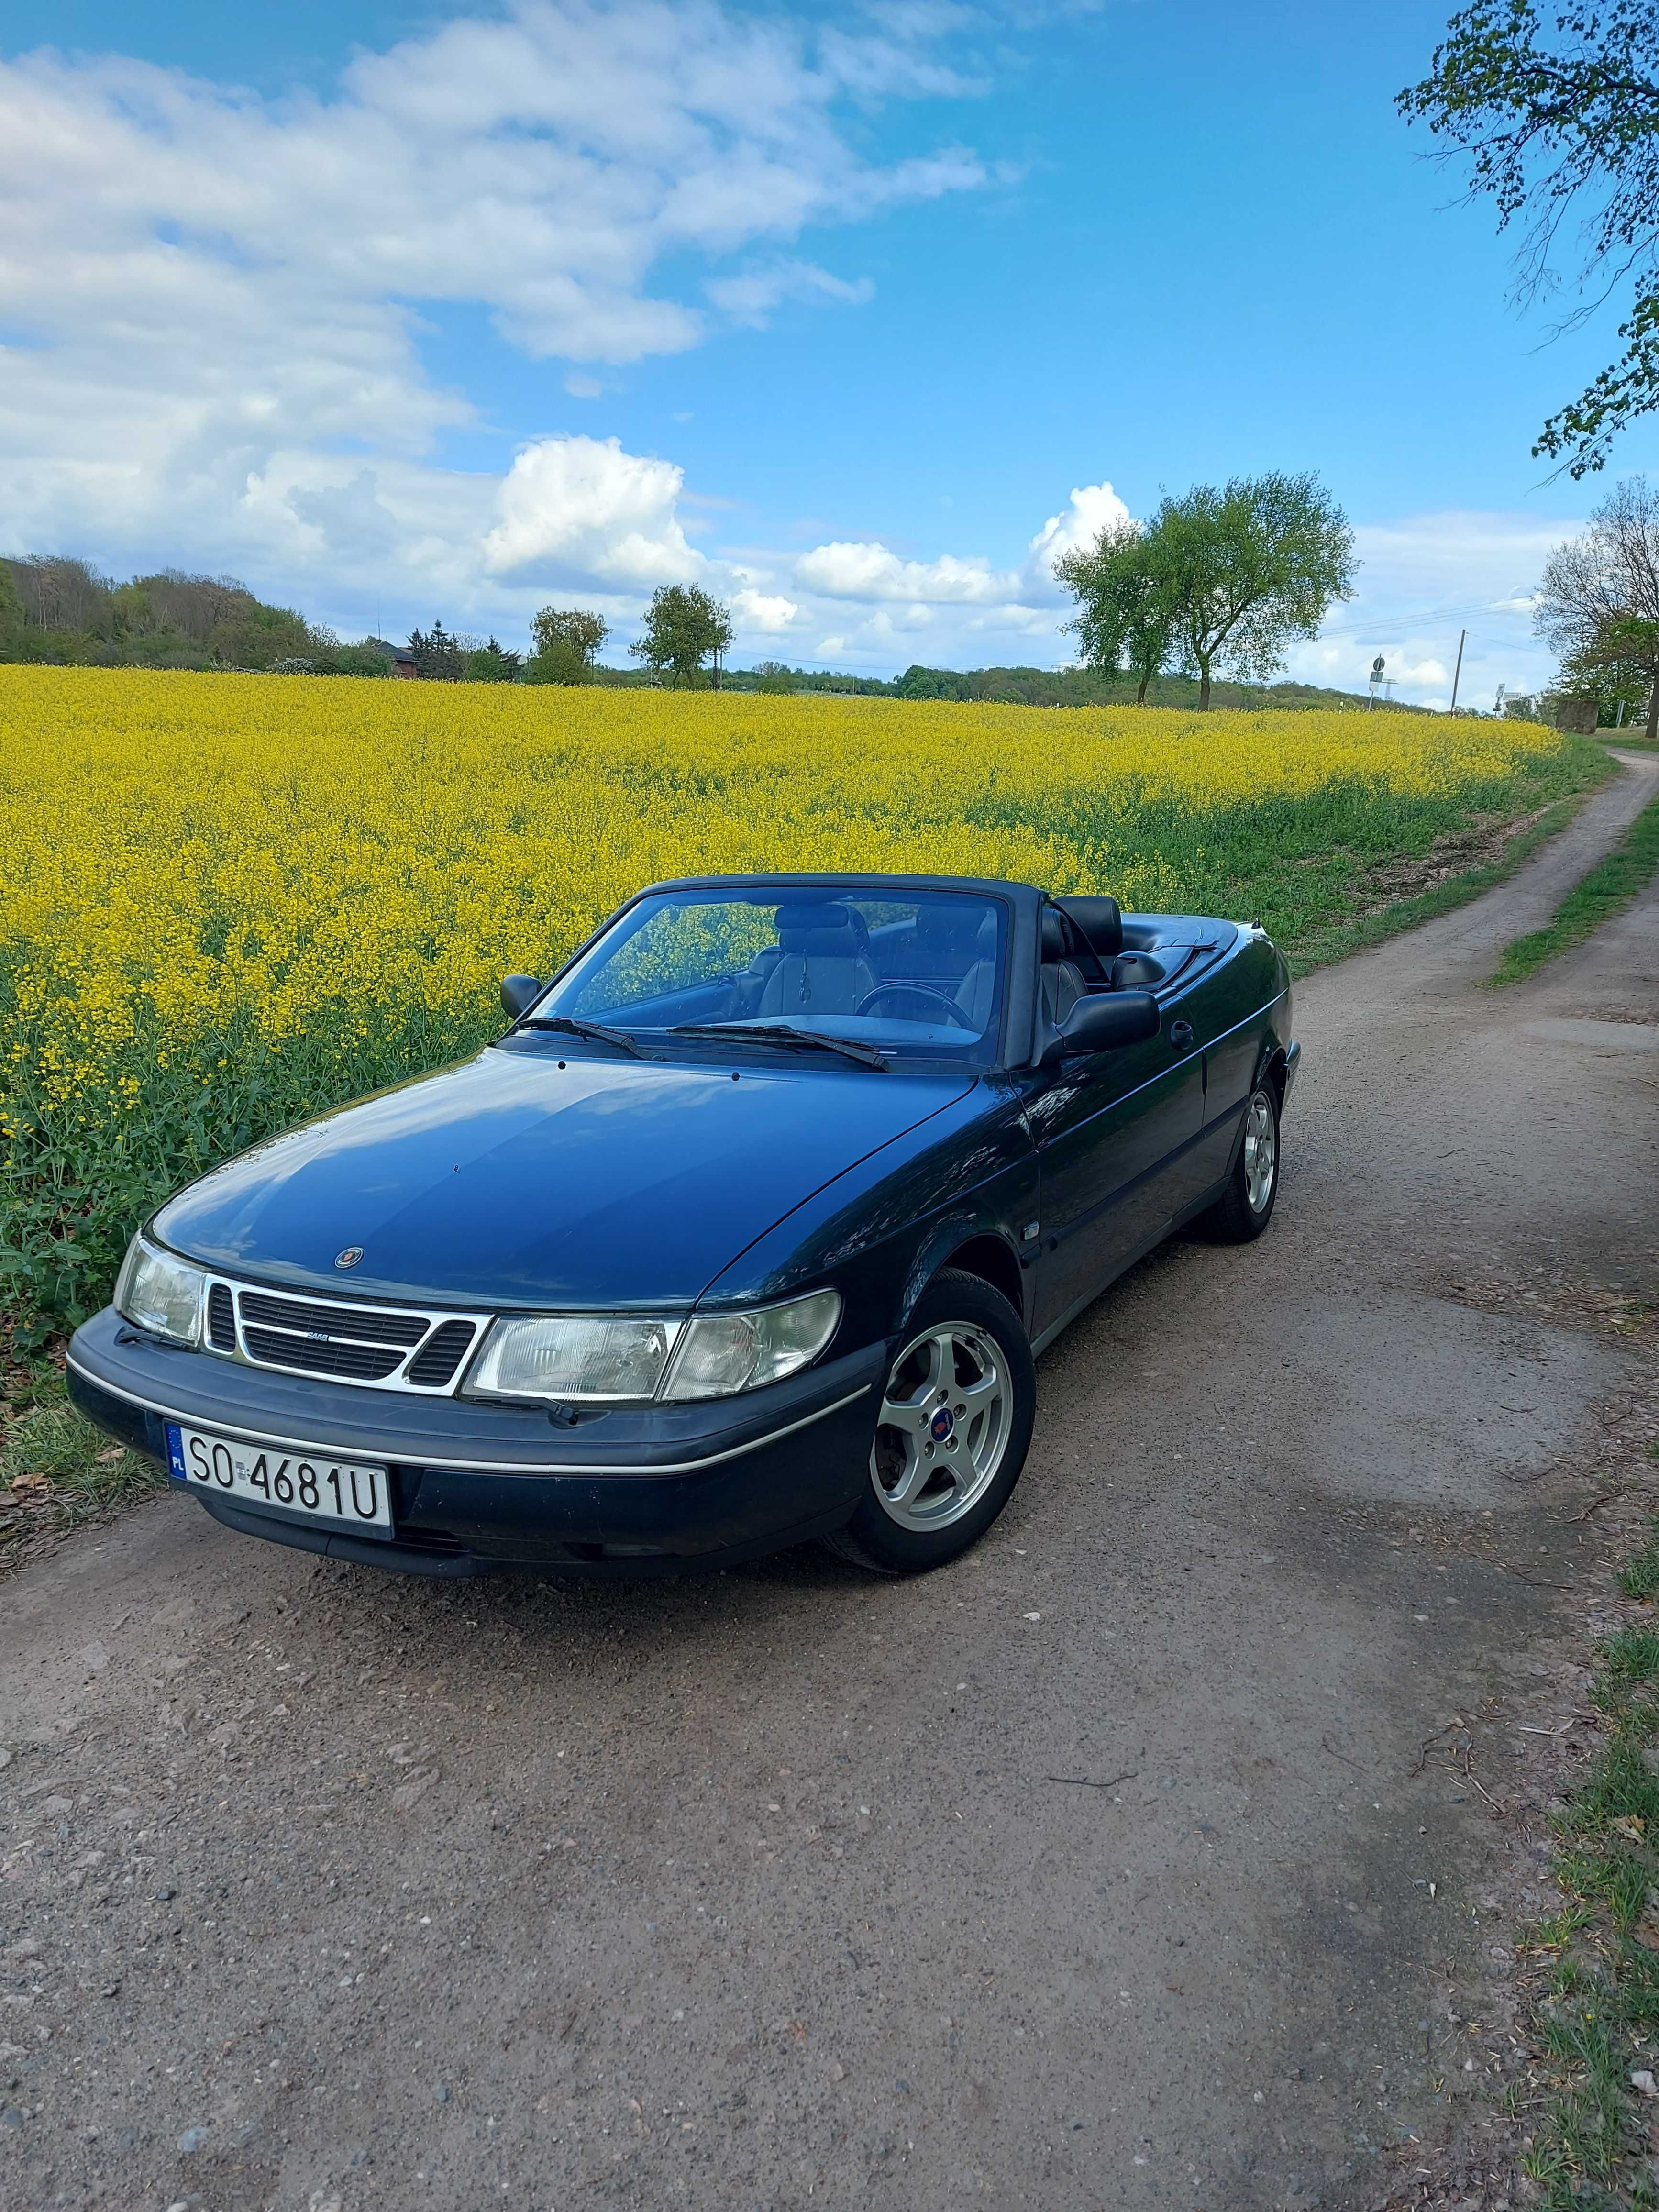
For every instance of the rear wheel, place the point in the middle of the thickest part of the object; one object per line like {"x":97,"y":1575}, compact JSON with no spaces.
{"x":952,"y":1431}
{"x":1246,"y":1207}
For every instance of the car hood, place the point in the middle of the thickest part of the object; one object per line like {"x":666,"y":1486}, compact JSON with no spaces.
{"x":513,"y":1180}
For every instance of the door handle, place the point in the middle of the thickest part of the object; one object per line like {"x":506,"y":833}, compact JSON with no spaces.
{"x":1180,"y":1036}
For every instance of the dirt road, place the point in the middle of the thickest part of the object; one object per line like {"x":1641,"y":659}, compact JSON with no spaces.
{"x":1093,"y":1872}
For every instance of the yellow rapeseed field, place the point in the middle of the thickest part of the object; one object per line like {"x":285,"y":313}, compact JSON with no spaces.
{"x":225,"y":900}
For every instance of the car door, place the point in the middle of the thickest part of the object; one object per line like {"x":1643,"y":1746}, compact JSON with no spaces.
{"x":1228,"y":1007}
{"x":1106,"y":1128}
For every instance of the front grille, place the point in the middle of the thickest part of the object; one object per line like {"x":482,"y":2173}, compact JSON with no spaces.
{"x":359,"y":1363}
{"x":360,"y":1321}
{"x":435,"y":1362}
{"x":385,"y":1347}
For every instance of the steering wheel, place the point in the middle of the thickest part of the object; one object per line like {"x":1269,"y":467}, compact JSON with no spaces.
{"x":916,"y":991}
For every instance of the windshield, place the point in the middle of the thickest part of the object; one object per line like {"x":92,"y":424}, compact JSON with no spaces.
{"x":917,"y":976}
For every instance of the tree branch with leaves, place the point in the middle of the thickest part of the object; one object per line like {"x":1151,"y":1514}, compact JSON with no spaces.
{"x":1558,"y":120}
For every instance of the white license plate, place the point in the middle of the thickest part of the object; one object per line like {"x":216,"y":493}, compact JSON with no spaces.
{"x":309,"y":1485}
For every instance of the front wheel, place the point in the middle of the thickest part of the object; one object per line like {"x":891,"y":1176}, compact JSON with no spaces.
{"x":952,"y":1431}
{"x":1246,"y":1207}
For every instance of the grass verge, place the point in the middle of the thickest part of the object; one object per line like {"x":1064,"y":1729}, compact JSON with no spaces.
{"x":57,"y":1471}
{"x":1597,"y":2018}
{"x":1323,"y":947}
{"x":1609,"y":886}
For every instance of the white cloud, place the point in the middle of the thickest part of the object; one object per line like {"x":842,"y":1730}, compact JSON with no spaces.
{"x":1457,"y":555}
{"x":1092,"y":508}
{"x":577,"y":508}
{"x":583,"y":387}
{"x":751,"y":296}
{"x":214,"y":295}
{"x":1021,"y":601}
{"x":759,"y":610}
{"x":866,"y":570}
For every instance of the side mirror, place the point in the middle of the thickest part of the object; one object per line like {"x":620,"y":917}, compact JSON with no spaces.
{"x":1109,"y":1018}
{"x":520,"y":994}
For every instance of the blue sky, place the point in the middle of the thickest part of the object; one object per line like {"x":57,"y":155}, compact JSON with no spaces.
{"x":856,"y":316}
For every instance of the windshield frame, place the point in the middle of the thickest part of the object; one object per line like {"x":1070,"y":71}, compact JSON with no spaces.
{"x":665,"y":1044}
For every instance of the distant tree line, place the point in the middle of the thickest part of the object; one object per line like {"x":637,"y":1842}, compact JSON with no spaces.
{"x":1093,"y":687}
{"x":56,"y":610}
{"x":442,"y":657}
{"x":1192,"y":608}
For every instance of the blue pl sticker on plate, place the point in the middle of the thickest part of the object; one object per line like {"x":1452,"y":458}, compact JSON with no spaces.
{"x":176,"y":1466}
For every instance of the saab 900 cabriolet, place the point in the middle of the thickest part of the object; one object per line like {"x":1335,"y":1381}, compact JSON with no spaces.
{"x":747,"y":1231}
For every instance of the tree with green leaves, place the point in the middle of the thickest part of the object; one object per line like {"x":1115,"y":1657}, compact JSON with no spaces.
{"x":1126,"y":607}
{"x":1250,"y":567}
{"x":566,"y":645}
{"x":1614,"y":666}
{"x":1559,"y":119}
{"x":491,"y":663}
{"x":1598,"y":603}
{"x":684,"y":627}
{"x":438,"y":656}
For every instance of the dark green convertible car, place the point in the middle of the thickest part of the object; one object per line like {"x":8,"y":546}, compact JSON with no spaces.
{"x":748,"y":1230}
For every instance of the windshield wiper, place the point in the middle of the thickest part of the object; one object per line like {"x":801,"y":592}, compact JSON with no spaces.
{"x":784,"y":1033}
{"x":571,"y":1028}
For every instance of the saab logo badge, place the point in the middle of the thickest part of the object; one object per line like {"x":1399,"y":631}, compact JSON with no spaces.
{"x":942,"y":1424}
{"x":349,"y":1257}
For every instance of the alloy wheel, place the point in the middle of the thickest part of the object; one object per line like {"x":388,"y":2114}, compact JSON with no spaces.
{"x":943,"y":1426}
{"x":1260,"y":1152}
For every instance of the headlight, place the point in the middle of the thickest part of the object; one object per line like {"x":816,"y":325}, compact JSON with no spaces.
{"x":726,"y":1353}
{"x":160,"y":1294}
{"x":617,"y":1357}
{"x":573,"y":1356}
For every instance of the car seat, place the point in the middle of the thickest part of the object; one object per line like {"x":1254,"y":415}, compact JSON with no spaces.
{"x":1062,"y":987}
{"x":977,"y":989}
{"x":826,"y":966}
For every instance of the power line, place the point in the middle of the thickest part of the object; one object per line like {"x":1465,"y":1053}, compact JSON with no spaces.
{"x":1379,"y":623}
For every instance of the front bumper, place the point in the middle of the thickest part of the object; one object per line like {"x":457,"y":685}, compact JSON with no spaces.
{"x":617,"y":1491}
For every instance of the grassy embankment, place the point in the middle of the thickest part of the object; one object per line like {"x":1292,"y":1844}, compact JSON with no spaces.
{"x":1588,"y":2104}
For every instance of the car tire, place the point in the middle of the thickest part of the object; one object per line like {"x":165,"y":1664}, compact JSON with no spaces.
{"x":947,"y":1446}
{"x":1246,"y":1207}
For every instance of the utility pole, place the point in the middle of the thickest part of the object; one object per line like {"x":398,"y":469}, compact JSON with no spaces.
{"x":1458,"y":670}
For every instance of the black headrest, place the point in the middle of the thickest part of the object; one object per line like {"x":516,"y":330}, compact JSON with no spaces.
{"x":1100,"y":922}
{"x":819,"y":914}
{"x":822,"y":931}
